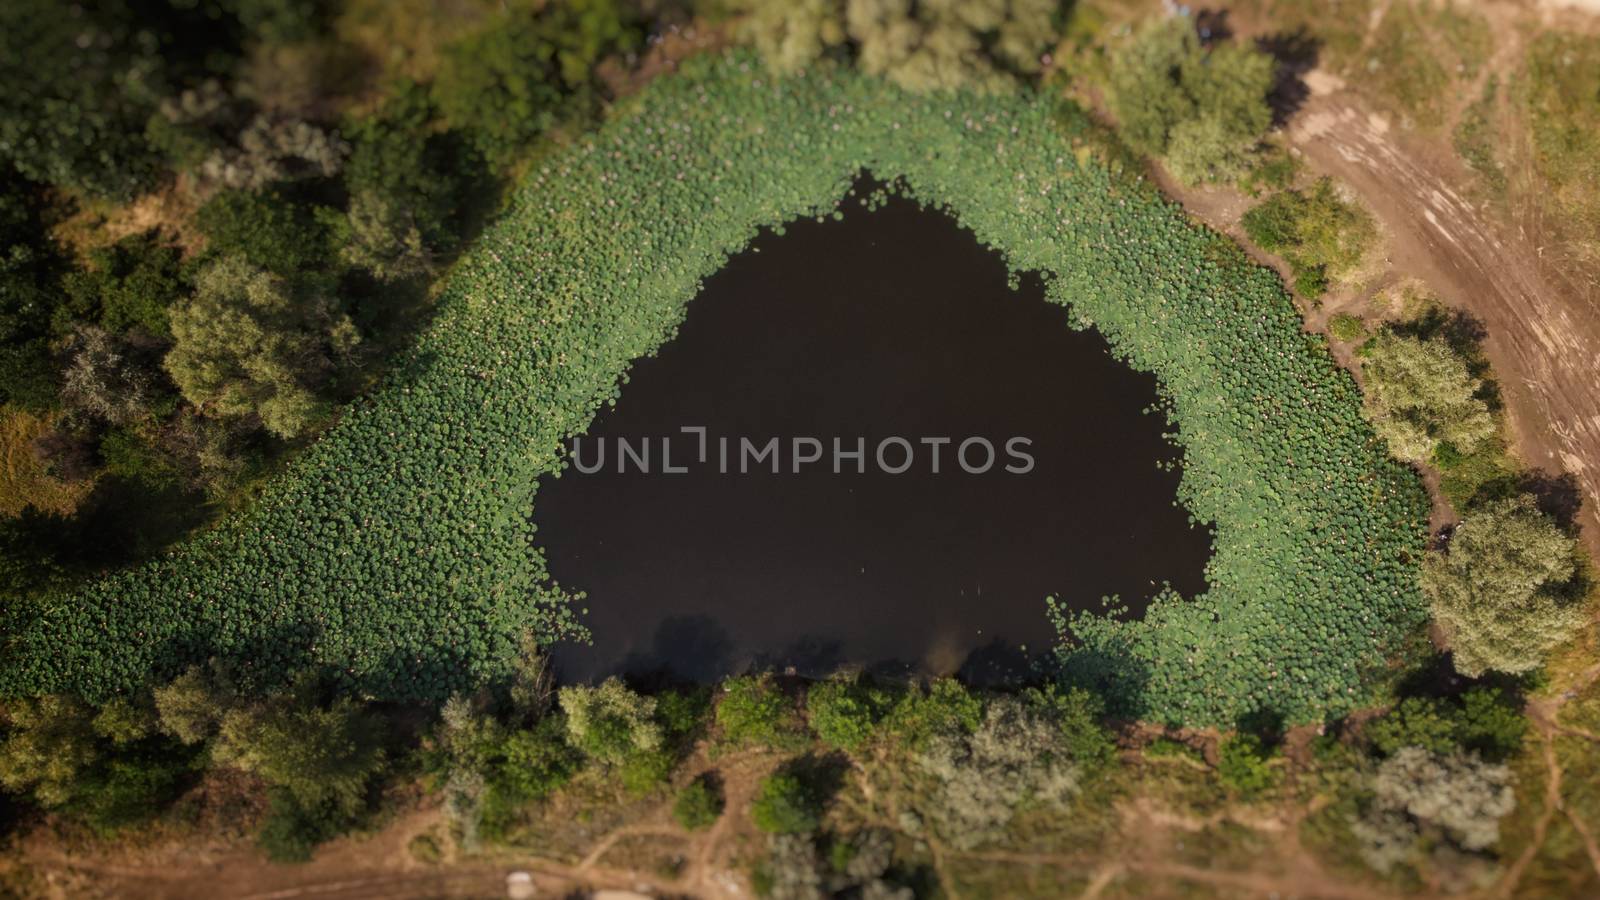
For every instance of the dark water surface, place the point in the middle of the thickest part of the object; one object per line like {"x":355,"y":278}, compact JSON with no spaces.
{"x":890,"y":322}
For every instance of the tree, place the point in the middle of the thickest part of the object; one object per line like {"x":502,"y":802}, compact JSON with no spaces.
{"x":269,"y":229}
{"x":1242,"y":765}
{"x":1482,"y":720}
{"x":191,"y":707}
{"x":128,"y":284}
{"x":786,"y":804}
{"x":509,"y":81}
{"x":78,"y":92}
{"x":30,"y":268}
{"x":950,"y":44}
{"x":1016,"y":753}
{"x":792,"y":34}
{"x":273,"y":149}
{"x":1420,"y":394}
{"x":107,"y":378}
{"x":50,"y":744}
{"x":1144,"y":91}
{"x":1203,"y":109}
{"x":699,"y":805}
{"x":323,"y":756}
{"x":1506,"y":587}
{"x":610,"y":722}
{"x":248,"y":344}
{"x":844,"y":712}
{"x":407,"y":180}
{"x":1456,"y":793}
{"x":1321,"y":235}
{"x":753,"y":710}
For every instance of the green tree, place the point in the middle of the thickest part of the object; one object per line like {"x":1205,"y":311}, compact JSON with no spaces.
{"x":1321,"y":235}
{"x":191,"y":707}
{"x":1242,"y":764}
{"x":1505,"y":589}
{"x":1482,"y":720}
{"x":1203,"y":109}
{"x":128,"y":284}
{"x":98,"y":766}
{"x":753,"y":711}
{"x":699,"y":804}
{"x":610,"y":722}
{"x":30,"y":269}
{"x":407,"y":173}
{"x":269,"y":229}
{"x":791,"y":34}
{"x":786,"y":803}
{"x":50,"y":744}
{"x":844,"y":712}
{"x":249,"y":344}
{"x":510,"y":80}
{"x":324,"y":756}
{"x":1420,"y":394}
{"x":80,"y":82}
{"x":950,"y":44}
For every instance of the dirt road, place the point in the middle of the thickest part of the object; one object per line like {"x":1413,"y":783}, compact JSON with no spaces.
{"x":1543,"y":338}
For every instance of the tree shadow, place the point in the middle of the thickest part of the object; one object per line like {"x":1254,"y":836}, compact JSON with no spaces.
{"x":811,"y":656}
{"x":1296,"y":53}
{"x":692,"y":648}
{"x":1559,"y":496}
{"x":1000,"y":664}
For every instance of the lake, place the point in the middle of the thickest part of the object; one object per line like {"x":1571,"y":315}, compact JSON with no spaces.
{"x":893,"y":328}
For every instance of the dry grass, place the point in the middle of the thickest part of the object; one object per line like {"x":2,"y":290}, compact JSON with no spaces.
{"x":23,"y":480}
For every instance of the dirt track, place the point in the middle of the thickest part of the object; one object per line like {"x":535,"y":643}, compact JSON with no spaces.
{"x":1543,"y":339}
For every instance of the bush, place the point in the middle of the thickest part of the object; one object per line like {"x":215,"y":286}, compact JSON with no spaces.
{"x":324,"y":757}
{"x":786,"y":804}
{"x":293,"y":827}
{"x":844,"y":712}
{"x":1482,"y":720}
{"x":251,"y":345}
{"x":1421,"y":395}
{"x":1505,"y":588}
{"x":1347,"y":328}
{"x":1016,"y":753}
{"x":610,"y":723}
{"x":512,"y":79}
{"x":946,"y":707}
{"x":753,"y":711}
{"x":1319,"y":234}
{"x":1458,"y":794}
{"x":128,"y":284}
{"x":1242,"y":765}
{"x":1203,"y":109}
{"x":268,"y":229}
{"x":699,"y":804}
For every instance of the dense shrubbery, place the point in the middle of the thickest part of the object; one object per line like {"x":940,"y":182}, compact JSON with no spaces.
{"x":978,"y":44}
{"x":1421,"y":395}
{"x":1202,"y":109}
{"x":414,"y":590}
{"x":1322,"y":236}
{"x":517,"y":75}
{"x":1506,"y":588}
